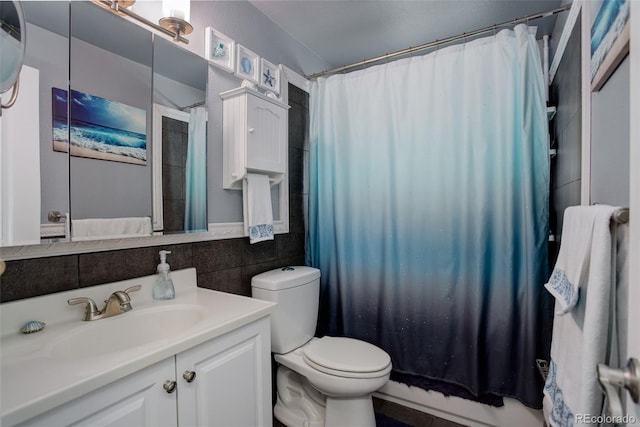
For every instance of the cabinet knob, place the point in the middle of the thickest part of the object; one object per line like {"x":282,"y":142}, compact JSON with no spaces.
{"x":189,"y":376}
{"x":169,"y":386}
{"x":251,"y":130}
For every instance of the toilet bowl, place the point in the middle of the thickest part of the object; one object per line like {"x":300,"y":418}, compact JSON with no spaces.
{"x":324,"y":381}
{"x":345,"y":371}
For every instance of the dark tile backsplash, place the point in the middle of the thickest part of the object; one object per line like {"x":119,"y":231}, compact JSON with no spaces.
{"x":224,"y":265}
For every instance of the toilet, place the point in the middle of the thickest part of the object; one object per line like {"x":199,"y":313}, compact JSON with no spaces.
{"x":324,"y":381}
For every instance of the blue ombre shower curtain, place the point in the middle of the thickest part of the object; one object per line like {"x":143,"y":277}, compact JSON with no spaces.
{"x":428,"y":211}
{"x":195,"y":216}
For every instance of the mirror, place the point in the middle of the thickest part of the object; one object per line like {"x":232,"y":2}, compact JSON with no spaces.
{"x":121,"y":70}
{"x":12,"y":43}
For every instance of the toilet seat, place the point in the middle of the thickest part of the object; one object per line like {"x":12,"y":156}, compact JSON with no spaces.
{"x":347,"y":357}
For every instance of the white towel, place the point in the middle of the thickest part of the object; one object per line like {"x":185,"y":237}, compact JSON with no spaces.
{"x":581,"y":335}
{"x":258,"y":213}
{"x":110,"y":228}
{"x":572,"y":266}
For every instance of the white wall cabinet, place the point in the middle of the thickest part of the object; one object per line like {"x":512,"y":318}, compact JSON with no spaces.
{"x":254,"y":136}
{"x":222,"y":382}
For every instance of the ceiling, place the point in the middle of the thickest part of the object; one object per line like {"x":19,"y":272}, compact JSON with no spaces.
{"x":346,"y":31}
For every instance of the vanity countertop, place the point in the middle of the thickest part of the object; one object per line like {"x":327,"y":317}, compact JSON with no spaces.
{"x":40,"y":372}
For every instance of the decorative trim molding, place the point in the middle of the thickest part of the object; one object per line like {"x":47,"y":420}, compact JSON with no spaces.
{"x":564,"y":38}
{"x":296,"y":79}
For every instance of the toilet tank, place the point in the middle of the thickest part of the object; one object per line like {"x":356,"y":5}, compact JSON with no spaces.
{"x":296,"y":290}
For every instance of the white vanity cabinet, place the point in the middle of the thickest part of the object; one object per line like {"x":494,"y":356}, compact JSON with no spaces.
{"x":231,"y":387}
{"x":254,"y":136}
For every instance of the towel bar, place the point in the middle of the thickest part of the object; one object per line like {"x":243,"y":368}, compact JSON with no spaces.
{"x":621,"y":216}
{"x":272,"y":181}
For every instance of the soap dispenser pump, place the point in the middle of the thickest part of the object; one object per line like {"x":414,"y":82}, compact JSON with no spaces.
{"x":163,"y":288}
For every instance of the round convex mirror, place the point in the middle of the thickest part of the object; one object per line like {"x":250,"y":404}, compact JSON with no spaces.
{"x":12,"y":43}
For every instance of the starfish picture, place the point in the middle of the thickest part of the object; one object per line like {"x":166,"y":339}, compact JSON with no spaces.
{"x":268,"y":78}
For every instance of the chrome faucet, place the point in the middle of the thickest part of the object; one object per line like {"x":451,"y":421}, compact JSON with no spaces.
{"x":119,"y":302}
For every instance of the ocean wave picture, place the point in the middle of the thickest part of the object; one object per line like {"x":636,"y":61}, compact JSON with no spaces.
{"x":609,"y":24}
{"x":99,"y":128}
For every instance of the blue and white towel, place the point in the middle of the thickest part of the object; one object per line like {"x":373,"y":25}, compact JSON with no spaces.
{"x":258,"y":213}
{"x":581,"y":325}
{"x":572,"y":266}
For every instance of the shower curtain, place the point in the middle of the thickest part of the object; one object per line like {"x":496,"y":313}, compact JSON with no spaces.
{"x":195,"y":216}
{"x":428,"y":212}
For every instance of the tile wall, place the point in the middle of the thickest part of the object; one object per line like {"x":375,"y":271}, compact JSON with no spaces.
{"x":175,"y":142}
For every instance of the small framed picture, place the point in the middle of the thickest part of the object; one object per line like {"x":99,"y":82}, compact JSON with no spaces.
{"x":219,"y":50}
{"x":247,"y":64}
{"x":269,"y":76}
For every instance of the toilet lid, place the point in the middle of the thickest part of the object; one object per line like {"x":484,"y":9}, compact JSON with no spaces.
{"x":347,"y":357}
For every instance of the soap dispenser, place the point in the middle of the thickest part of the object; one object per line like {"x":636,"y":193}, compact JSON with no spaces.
{"x":163,"y":288}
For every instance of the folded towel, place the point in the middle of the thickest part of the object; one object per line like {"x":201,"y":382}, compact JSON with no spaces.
{"x":580,"y":334}
{"x":258,"y":213}
{"x":110,"y":228}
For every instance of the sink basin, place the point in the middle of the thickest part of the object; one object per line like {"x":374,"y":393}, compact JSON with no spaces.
{"x":124,"y":331}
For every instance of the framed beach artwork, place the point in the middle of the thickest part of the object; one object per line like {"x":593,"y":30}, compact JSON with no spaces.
{"x":99,"y":128}
{"x":247,"y":64}
{"x":269,"y":76}
{"x":610,"y":35}
{"x":219,"y":50}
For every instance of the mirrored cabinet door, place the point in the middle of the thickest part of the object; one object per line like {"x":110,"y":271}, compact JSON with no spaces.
{"x":35,"y":177}
{"x":110,"y":116}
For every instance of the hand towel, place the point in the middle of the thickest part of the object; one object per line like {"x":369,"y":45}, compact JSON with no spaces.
{"x":110,"y":228}
{"x":572,"y":265}
{"x":581,"y":334}
{"x":258,"y":213}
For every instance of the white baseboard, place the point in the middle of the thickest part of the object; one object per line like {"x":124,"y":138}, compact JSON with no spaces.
{"x":459,"y":410}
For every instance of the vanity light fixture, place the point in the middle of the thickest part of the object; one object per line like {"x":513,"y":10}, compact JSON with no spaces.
{"x":176,"y":16}
{"x":121,"y":7}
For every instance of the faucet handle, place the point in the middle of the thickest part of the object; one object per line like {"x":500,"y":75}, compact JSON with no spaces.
{"x":90,"y":309}
{"x":134,"y":288}
{"x":123,"y":297}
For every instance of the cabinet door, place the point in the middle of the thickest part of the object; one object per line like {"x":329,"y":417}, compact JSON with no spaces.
{"x":232,"y":385}
{"x":137,"y":400}
{"x":267,"y":135}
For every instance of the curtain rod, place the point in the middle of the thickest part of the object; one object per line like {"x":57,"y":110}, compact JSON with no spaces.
{"x":439,"y":42}
{"x":197,"y":104}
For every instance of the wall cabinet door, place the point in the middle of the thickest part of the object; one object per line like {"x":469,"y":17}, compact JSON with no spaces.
{"x":232,"y":383}
{"x":137,"y":400}
{"x":267,"y":135}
